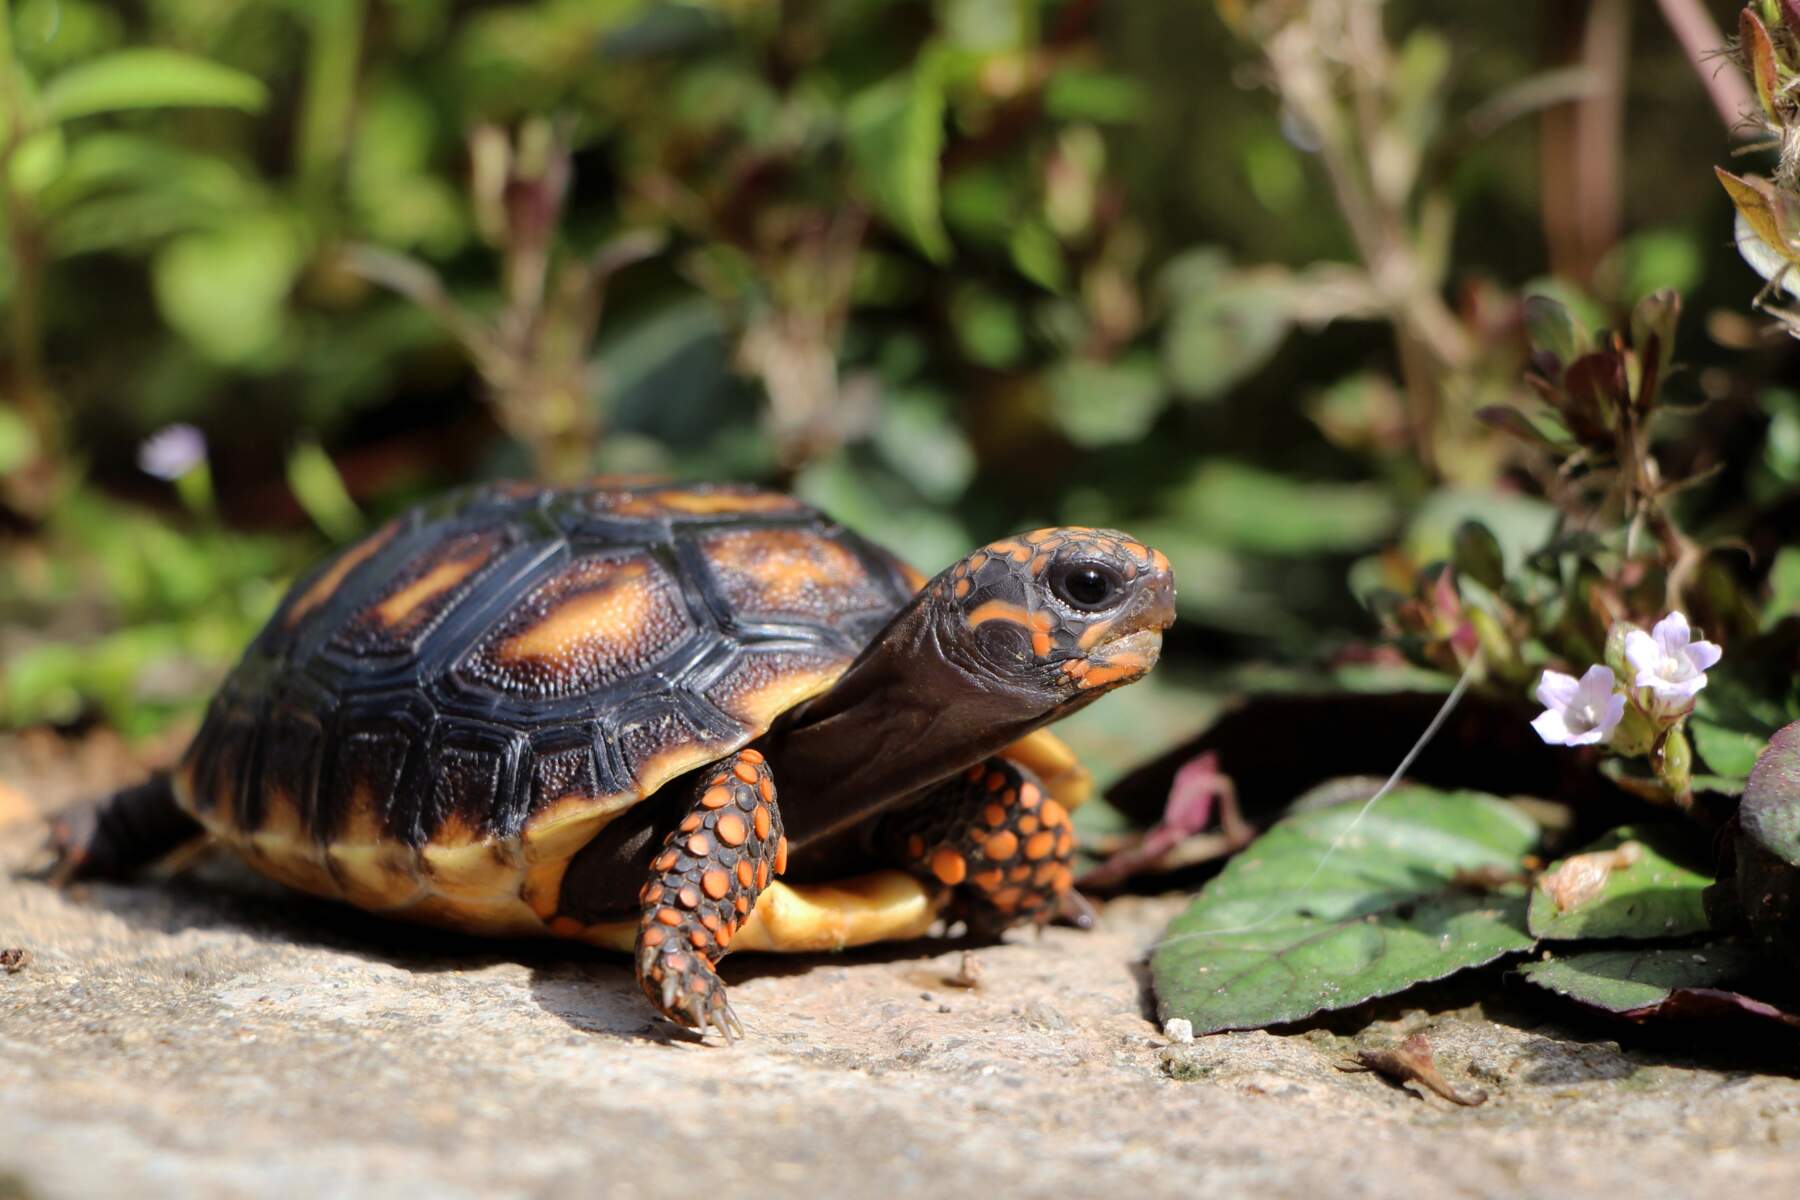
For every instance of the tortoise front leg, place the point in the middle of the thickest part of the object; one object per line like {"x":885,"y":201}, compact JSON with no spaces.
{"x":995,"y":835}
{"x":703,"y":885}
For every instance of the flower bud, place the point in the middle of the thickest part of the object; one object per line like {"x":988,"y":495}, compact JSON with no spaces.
{"x":1635,"y":735}
{"x":1675,"y":765}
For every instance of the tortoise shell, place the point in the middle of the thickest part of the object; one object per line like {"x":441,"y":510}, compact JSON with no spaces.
{"x":437,"y":718}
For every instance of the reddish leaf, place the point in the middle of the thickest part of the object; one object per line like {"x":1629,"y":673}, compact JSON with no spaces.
{"x":1760,"y":52}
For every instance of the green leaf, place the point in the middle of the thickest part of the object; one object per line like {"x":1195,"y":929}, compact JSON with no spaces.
{"x":1224,"y":324}
{"x":1624,"y":981}
{"x":1784,"y":587}
{"x":1286,"y":931}
{"x":1105,"y":403}
{"x":1641,"y":892}
{"x":1770,"y":811}
{"x":1729,"y":752}
{"x":895,"y":132}
{"x":1260,"y":511}
{"x":147,"y":77}
{"x":226,"y":289}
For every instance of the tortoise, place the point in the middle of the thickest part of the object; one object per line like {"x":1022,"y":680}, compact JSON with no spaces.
{"x":526,"y":710}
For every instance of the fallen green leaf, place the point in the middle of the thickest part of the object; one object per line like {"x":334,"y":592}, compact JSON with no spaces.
{"x":1293,"y":926}
{"x":1626,"y":885}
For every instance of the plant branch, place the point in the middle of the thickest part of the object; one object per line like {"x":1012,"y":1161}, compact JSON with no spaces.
{"x":1700,"y":39}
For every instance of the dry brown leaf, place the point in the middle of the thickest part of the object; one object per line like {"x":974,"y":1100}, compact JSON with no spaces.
{"x":1581,"y":876}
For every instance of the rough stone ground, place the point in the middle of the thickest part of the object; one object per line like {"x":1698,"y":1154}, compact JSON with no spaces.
{"x":210,"y":1036}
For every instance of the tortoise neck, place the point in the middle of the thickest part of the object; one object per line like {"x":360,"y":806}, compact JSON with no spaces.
{"x":910,"y":712}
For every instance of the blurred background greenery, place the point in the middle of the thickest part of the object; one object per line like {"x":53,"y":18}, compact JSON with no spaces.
{"x":1236,"y":278}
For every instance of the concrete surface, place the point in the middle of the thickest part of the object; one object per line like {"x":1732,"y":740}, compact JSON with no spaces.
{"x":212,"y":1036}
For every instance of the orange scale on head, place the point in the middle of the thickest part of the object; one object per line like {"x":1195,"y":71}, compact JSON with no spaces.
{"x":731,"y":829}
{"x":1001,"y":846}
{"x":717,"y":797}
{"x":761,"y":821}
{"x":745,"y":772}
{"x":698,"y":846}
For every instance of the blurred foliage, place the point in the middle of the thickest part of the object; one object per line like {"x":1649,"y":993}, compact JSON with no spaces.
{"x":948,"y":269}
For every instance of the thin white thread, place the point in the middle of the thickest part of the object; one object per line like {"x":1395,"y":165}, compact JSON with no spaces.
{"x":1437,"y":722}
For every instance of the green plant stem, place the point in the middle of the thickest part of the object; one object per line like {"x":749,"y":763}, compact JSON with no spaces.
{"x":25,"y":315}
{"x":331,"y":72}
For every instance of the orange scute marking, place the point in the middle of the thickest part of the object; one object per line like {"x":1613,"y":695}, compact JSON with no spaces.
{"x":698,"y":846}
{"x":743,"y":872}
{"x":607,"y":622}
{"x":668,"y":916}
{"x":326,"y":584}
{"x":761,"y":820}
{"x":1039,"y":845}
{"x":715,"y":798}
{"x":949,"y":866}
{"x":745,"y":772}
{"x":428,"y":587}
{"x":1054,"y":813}
{"x":731,"y":829}
{"x":750,"y":756}
{"x":689,"y":897}
{"x":994,"y":815}
{"x":781,"y":856}
{"x":715,"y":883}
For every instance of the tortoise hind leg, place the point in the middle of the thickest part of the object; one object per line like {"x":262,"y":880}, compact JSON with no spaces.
{"x":111,"y":838}
{"x":702,"y":885}
{"x":997,"y":837}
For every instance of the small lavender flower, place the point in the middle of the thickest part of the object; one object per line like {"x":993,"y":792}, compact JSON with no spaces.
{"x":172,"y":452}
{"x":1669,"y":662}
{"x":1578,"y":712}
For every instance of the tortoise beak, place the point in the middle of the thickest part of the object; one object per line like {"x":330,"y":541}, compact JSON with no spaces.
{"x":1133,"y":642}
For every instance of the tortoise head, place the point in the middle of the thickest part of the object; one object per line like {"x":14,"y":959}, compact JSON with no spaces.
{"x":1065,"y":614}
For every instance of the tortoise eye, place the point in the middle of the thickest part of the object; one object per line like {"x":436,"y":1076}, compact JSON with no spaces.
{"x":1086,"y":586}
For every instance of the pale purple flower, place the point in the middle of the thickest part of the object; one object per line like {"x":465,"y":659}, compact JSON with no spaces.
{"x":1668,"y":661}
{"x":172,"y":452}
{"x":1578,"y":712}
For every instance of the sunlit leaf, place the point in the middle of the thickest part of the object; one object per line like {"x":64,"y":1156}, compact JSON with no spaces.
{"x":226,"y":289}
{"x":1102,"y":403}
{"x":1252,"y":509}
{"x":1293,"y":926}
{"x":148,"y":77}
{"x":895,"y":132}
{"x":1632,"y":883}
{"x":1753,"y":38}
{"x":1633,"y":981}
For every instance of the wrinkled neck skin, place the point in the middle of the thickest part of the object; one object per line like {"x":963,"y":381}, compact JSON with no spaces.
{"x":916,"y":708}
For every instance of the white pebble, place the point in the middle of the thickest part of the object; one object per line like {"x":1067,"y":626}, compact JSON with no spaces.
{"x":1178,"y":1029}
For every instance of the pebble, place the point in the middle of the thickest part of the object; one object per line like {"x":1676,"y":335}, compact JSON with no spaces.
{"x":1178,"y":1029}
